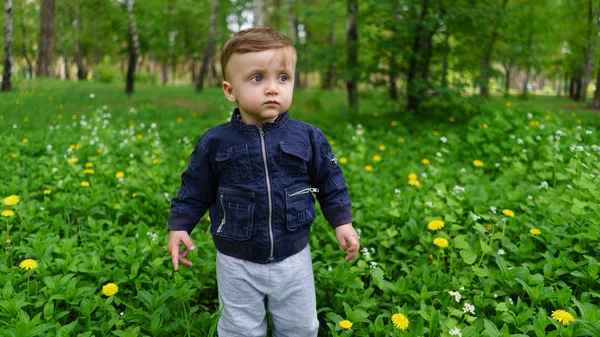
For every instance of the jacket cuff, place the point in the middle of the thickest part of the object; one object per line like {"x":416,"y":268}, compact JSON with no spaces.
{"x":180,"y":222}
{"x":338,"y":216}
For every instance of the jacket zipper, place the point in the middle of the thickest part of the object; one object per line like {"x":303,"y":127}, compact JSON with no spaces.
{"x":264,"y":155}
{"x":222,"y":224}
{"x":304,"y":191}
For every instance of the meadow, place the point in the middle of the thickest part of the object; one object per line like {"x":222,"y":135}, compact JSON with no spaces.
{"x":482,"y":220}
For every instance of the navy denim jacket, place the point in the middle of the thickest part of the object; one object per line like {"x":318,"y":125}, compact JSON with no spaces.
{"x":258,"y":182}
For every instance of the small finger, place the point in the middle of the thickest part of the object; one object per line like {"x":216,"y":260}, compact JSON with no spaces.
{"x":188,"y":243}
{"x":184,"y":253}
{"x":185,"y":261}
{"x":174,"y":258}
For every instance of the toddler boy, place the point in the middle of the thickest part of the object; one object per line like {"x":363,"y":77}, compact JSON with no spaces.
{"x":257,"y":175}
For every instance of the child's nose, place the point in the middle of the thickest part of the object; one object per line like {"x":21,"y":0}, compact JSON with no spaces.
{"x":272,"y":88}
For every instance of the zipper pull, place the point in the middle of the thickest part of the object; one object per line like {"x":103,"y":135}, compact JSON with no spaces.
{"x":314,"y":190}
{"x":334,"y":161}
{"x":260,"y":130}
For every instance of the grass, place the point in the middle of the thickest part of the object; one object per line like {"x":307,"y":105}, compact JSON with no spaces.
{"x":515,"y":185}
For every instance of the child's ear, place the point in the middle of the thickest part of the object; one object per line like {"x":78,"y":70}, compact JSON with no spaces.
{"x":228,"y":91}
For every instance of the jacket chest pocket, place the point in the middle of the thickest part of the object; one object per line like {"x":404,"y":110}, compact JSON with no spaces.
{"x":294,"y":158}
{"x":233,"y":165}
{"x":300,"y":206}
{"x":237,"y":214}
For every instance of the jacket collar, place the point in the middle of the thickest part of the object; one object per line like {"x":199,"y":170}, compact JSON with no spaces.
{"x":236,"y":120}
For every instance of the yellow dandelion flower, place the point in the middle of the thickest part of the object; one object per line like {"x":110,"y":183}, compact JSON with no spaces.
{"x":477,"y":163}
{"x":74,"y":116}
{"x":377,"y":158}
{"x":573,"y":114}
{"x":331,"y":142}
{"x":508,"y":212}
{"x":394,"y":123}
{"x":99,"y":150}
{"x":14,"y":155}
{"x":535,"y":231}
{"x":430,"y":257}
{"x":426,"y":161}
{"x":508,"y":104}
{"x":179,"y":120}
{"x":414,"y":182}
{"x":11,"y":200}
{"x":452,"y":119}
{"x":77,"y":146}
{"x":440,"y":242}
{"x":139,"y":137}
{"x":485,"y":126}
{"x":7,"y":213}
{"x":133,"y":195}
{"x":381,"y":147}
{"x":88,"y":165}
{"x":89,"y":171}
{"x":28,"y":264}
{"x":25,"y":140}
{"x":8,"y":239}
{"x":110,"y":289}
{"x":578,"y":121}
{"x":47,"y":192}
{"x":376,"y":114}
{"x":120,"y":175}
{"x":412,"y":176}
{"x":548,"y":117}
{"x":563,"y":316}
{"x":343,"y":160}
{"x":369,"y":168}
{"x":72,"y":160}
{"x":435,"y":133}
{"x":401,"y":140}
{"x":435,"y":225}
{"x":85,"y":184}
{"x":346,"y":324}
{"x":59,"y":115}
{"x":155,"y":161}
{"x":400,"y":321}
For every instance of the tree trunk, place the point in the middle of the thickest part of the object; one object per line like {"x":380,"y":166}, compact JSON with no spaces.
{"x":210,"y":46}
{"x":393,"y":63}
{"x":165,"y":72}
{"x":82,"y":71}
{"x":572,"y":88}
{"x":63,"y":45}
{"x":46,"y":46}
{"x":596,"y":101}
{"x":330,"y":75}
{"x":527,"y":73}
{"x":579,"y":85}
{"x":24,"y":35}
{"x":134,"y":48}
{"x":352,"y":42}
{"x":445,"y":58}
{"x":507,"y":80}
{"x":413,"y":87}
{"x":293,"y":34}
{"x":590,"y":49}
{"x":487,"y":54}
{"x":6,"y":79}
{"x":258,"y":12}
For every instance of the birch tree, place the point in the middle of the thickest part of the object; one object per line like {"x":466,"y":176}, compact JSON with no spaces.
{"x":6,"y":84}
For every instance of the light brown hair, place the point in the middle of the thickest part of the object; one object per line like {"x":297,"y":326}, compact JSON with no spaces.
{"x":253,"y":39}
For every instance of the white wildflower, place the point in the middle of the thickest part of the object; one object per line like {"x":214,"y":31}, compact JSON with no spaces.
{"x":501,"y":252}
{"x":469,"y":308}
{"x":443,"y":140}
{"x":455,"y":332}
{"x":544,"y":185}
{"x":493,"y":209}
{"x":456,"y":294}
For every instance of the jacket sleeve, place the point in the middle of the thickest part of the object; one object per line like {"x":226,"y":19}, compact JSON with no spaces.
{"x":327,"y":176}
{"x":196,"y":193}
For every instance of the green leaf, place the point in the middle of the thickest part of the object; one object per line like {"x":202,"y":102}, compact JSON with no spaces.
{"x":468,"y":256}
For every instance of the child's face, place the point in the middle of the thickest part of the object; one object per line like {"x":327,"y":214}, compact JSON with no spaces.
{"x":262,"y":83}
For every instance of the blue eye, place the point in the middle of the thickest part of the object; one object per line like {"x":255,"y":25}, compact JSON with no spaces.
{"x":256,"y":78}
{"x":283,"y":78}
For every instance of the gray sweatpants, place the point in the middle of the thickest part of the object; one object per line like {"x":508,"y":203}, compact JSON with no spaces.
{"x":289,"y":286}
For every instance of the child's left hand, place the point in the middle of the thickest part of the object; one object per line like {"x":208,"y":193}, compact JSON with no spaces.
{"x":348,"y":239}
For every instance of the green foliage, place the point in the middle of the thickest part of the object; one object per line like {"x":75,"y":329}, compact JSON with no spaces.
{"x":542,"y":164}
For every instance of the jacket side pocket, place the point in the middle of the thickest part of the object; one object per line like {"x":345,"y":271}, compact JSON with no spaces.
{"x":300,"y":206}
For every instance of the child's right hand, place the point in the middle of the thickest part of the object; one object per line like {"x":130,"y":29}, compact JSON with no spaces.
{"x":176,"y":239}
